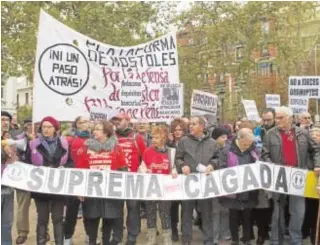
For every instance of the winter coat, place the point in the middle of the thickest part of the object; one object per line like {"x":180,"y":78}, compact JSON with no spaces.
{"x":305,"y":145}
{"x":39,"y":156}
{"x":231,"y":156}
{"x":104,"y":156}
{"x":191,"y":151}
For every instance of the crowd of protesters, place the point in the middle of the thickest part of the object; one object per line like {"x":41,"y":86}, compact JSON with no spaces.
{"x":197,"y":143}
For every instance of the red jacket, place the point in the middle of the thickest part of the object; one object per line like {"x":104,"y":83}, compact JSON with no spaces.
{"x":111,"y":160}
{"x":78,"y":151}
{"x":133,"y":146}
{"x":157,"y":162}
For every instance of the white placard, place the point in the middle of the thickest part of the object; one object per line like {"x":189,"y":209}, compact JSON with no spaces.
{"x":300,"y":90}
{"x":251,"y":110}
{"x":203,"y":103}
{"x":273,"y":100}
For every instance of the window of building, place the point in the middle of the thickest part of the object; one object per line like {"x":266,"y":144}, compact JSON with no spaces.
{"x":2,"y":92}
{"x":265,"y":27}
{"x":239,"y":52}
{"x":265,"y":69}
{"x":27,"y":98}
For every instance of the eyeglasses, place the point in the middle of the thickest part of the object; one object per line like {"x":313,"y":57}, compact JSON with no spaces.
{"x":280,"y":118}
{"x":307,"y":118}
{"x":47,"y":127}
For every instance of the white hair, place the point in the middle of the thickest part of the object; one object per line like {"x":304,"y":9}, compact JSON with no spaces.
{"x":285,"y":110}
{"x":245,"y":133}
{"x":302,"y":114}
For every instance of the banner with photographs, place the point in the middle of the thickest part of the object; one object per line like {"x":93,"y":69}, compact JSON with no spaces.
{"x":203,"y":103}
{"x":300,"y":90}
{"x":75,"y":73}
{"x":126,"y":185}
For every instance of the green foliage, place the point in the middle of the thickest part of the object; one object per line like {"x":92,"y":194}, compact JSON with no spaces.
{"x":24,"y":112}
{"x":217,"y":29}
{"x":115,"y":23}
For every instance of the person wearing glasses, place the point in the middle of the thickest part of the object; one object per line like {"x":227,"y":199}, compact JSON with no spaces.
{"x":268,"y":121}
{"x":77,"y":151}
{"x":51,"y":151}
{"x":305,"y":120}
{"x":290,"y":146}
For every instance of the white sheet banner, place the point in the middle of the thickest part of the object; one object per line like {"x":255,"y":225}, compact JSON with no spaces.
{"x":75,"y":73}
{"x":273,"y":100}
{"x":203,"y":103}
{"x":251,"y":110}
{"x":124,"y":185}
{"x":300,"y":90}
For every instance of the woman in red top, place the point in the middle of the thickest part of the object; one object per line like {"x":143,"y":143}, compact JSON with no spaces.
{"x":77,"y":150}
{"x":104,"y":154}
{"x":156,"y":160}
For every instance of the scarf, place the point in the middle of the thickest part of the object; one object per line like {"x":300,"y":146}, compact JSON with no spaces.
{"x":97,"y":146}
{"x":49,"y":143}
{"x":82,"y":134}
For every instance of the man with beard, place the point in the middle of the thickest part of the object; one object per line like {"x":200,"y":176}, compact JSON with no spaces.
{"x":268,"y":121}
{"x":133,"y":145}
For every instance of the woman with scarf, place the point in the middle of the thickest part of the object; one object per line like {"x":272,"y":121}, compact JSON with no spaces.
{"x":178,"y":129}
{"x":49,"y":150}
{"x":157,"y":159}
{"x":77,"y":151}
{"x":241,"y":151}
{"x":103,"y":153}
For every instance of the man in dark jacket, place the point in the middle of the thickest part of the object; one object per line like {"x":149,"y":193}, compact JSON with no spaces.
{"x":268,"y":121}
{"x":290,"y":146}
{"x":194,"y":149}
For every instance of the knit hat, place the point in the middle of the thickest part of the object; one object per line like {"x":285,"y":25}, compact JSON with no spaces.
{"x":219,"y":131}
{"x":6,"y":114}
{"x":51,"y":120}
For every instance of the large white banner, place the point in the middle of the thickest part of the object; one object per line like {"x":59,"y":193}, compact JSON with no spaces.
{"x":273,"y":100}
{"x":124,"y":185}
{"x":203,"y":103}
{"x":75,"y":73}
{"x":251,"y":110}
{"x":300,"y":90}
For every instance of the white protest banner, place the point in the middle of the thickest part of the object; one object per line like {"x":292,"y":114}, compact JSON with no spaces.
{"x":203,"y":103}
{"x":75,"y":73}
{"x":300,"y":90}
{"x":273,"y":100}
{"x":251,"y":110}
{"x":126,"y":185}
